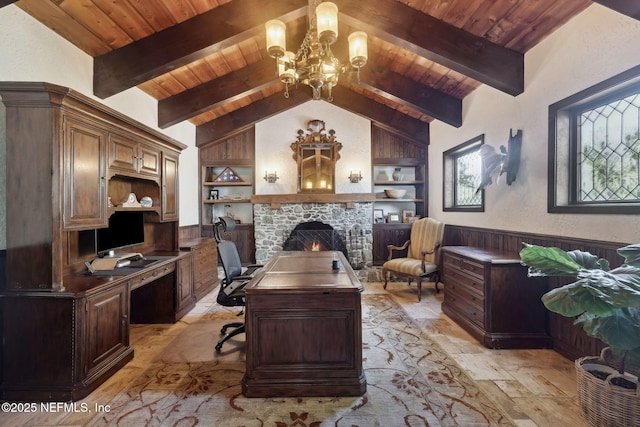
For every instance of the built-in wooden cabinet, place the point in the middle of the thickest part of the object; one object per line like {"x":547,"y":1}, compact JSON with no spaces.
{"x":392,"y":152}
{"x":65,"y":331}
{"x":388,"y":234}
{"x":58,"y":180}
{"x":229,"y":197}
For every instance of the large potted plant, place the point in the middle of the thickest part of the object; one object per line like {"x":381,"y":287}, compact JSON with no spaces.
{"x":606,"y":304}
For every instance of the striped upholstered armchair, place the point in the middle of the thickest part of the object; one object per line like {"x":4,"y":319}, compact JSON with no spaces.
{"x":423,"y":254}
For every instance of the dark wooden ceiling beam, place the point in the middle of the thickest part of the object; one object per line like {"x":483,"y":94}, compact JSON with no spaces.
{"x":626,"y":7}
{"x":409,"y":93}
{"x":215,"y":93}
{"x":437,"y":41}
{"x":376,"y":112}
{"x":188,"y":41}
{"x":344,"y":98}
{"x":223,"y":126}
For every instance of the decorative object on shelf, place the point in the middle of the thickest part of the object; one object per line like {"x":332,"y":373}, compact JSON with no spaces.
{"x":395,"y":193}
{"x":393,"y":217}
{"x":316,"y":154}
{"x":146,"y":202}
{"x":213,"y":195}
{"x":494,"y":164}
{"x":407,"y":215}
{"x":354,"y":179}
{"x":228,"y":175}
{"x":228,"y":212}
{"x":378,"y":216}
{"x":271,"y":177}
{"x":314,"y":64}
{"x":397,"y":174}
{"x":607,"y":303}
{"x":131,"y":202}
{"x":109,"y":202}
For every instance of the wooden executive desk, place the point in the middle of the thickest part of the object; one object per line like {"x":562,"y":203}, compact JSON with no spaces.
{"x":304,"y":328}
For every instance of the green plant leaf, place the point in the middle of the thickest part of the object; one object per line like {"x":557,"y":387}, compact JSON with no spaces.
{"x":577,"y":298}
{"x":548,"y":261}
{"x":596,"y":292}
{"x":631,"y":254}
{"x":588,"y":260}
{"x":619,"y":331}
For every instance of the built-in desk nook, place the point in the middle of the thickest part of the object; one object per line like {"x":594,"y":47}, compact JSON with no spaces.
{"x":72,"y":165}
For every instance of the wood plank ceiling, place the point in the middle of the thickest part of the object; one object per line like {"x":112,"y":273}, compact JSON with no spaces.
{"x":205,"y":60}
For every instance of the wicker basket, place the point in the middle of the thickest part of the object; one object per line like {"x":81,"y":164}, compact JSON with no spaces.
{"x":604,"y":404}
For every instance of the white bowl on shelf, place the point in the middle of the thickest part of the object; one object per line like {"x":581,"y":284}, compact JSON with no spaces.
{"x":395,"y":193}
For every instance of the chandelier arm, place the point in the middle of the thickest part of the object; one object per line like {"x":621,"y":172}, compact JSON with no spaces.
{"x":314,"y":64}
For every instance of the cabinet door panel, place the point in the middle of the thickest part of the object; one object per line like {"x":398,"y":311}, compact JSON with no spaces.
{"x":169,"y":187}
{"x":185,"y":298}
{"x":107,"y":326}
{"x":122,"y":154}
{"x":149,"y":160}
{"x":85,"y":200}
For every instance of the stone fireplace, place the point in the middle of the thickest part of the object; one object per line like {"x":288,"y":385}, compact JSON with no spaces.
{"x":352,"y":223}
{"x":316,"y":236}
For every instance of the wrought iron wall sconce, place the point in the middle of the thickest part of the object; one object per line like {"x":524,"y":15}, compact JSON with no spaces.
{"x":271,"y":178}
{"x":354,"y":179}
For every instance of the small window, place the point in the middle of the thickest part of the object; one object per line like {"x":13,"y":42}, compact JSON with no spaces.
{"x":594,"y":148}
{"x":462,"y":167}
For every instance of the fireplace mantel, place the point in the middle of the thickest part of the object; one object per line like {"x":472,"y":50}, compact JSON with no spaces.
{"x":278,"y":199}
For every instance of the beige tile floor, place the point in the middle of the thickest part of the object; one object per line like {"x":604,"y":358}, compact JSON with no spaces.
{"x":535,"y":387}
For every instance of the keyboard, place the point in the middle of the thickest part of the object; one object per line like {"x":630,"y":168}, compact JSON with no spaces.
{"x":142,"y":262}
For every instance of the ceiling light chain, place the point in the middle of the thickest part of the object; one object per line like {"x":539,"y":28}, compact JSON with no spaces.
{"x":314,"y":64}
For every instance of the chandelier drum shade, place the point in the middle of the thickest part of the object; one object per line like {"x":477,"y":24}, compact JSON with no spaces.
{"x":314,"y":64}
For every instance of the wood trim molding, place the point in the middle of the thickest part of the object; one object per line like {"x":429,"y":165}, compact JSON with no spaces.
{"x":279,"y":199}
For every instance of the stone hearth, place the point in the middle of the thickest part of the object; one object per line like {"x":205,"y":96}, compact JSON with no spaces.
{"x":273,"y":226}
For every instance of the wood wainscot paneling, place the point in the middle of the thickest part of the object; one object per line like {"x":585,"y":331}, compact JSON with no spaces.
{"x":568,"y":340}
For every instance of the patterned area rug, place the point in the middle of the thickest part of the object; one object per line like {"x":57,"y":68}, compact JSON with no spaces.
{"x":410,"y":382}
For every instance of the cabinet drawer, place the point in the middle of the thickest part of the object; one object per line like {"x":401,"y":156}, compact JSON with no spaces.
{"x":472,"y":283}
{"x":460,"y":305}
{"x":464,"y":265}
{"x":151,"y":275}
{"x":463,"y":293}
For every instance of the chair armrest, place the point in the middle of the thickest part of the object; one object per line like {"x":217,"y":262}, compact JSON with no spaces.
{"x":397,"y":248}
{"x":425,"y":253}
{"x":235,"y":289}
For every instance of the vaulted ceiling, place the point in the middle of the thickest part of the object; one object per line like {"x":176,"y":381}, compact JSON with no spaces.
{"x":205,"y":61}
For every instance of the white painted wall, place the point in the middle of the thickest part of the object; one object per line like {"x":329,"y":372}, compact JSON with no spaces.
{"x":592,"y":47}
{"x":275,"y":135}
{"x":29,"y":51}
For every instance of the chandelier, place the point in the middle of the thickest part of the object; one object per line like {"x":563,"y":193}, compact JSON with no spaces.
{"x":314,"y":64}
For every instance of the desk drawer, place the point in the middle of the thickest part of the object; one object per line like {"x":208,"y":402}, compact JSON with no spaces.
{"x":152,"y":274}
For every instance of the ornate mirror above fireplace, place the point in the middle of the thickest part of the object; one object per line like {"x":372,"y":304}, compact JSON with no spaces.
{"x":316,"y":153}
